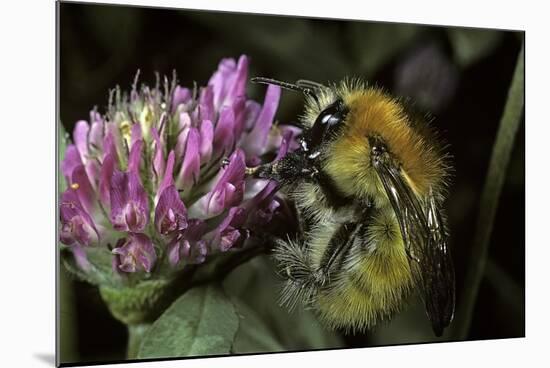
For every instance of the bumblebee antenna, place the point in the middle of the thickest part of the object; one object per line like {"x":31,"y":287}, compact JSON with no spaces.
{"x":310,"y":84}
{"x":305,"y":89}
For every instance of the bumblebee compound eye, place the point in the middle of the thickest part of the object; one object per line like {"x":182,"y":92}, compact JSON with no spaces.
{"x":328,"y":120}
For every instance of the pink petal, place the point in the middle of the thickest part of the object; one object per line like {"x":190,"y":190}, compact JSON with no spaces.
{"x":190,"y":168}
{"x":158,"y":155}
{"x":206,"y":140}
{"x":224,"y":138}
{"x":255,"y":143}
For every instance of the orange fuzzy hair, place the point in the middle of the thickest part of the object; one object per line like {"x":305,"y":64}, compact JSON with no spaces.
{"x":374,"y":113}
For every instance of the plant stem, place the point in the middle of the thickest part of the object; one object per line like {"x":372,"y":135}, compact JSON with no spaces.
{"x":135,"y":334}
{"x":496,"y":174}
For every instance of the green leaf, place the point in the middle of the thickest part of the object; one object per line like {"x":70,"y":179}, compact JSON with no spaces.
{"x":202,"y":321}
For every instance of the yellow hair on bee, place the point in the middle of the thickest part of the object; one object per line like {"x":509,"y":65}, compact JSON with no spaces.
{"x":309,"y":199}
{"x":375,"y":283}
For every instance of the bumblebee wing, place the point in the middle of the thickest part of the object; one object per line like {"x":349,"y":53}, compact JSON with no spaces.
{"x":425,"y":239}
{"x":442,"y":274}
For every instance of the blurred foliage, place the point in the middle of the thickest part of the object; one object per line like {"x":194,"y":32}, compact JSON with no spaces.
{"x":265,"y":325}
{"x":470,"y":45}
{"x":68,"y":349}
{"x":502,"y":149}
{"x":461,"y":76}
{"x":366,"y":37}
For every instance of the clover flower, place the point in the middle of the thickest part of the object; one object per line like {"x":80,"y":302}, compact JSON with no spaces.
{"x":158,"y":182}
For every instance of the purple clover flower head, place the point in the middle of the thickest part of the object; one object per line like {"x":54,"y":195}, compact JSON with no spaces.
{"x":158,"y":181}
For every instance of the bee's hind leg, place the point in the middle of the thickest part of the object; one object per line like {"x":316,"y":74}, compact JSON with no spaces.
{"x":294,"y":265}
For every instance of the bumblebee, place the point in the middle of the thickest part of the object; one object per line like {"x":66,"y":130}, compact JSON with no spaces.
{"x":368,"y":182}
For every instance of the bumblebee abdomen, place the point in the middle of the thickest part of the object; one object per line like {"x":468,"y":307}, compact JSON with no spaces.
{"x":374,"y":281}
{"x":359,"y":304}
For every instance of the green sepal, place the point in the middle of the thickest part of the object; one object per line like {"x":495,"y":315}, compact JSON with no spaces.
{"x":138,"y":304}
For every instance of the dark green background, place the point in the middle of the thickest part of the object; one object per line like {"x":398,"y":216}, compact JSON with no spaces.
{"x":461,"y":75}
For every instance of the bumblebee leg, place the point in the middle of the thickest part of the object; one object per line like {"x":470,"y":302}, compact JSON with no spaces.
{"x":338,"y":248}
{"x":295,"y":266}
{"x":305,"y":280}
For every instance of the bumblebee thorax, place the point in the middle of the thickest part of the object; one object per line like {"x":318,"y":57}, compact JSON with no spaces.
{"x":374,"y":114}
